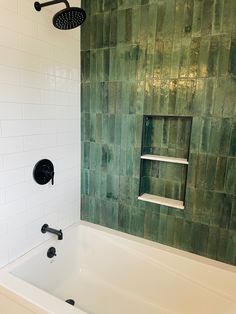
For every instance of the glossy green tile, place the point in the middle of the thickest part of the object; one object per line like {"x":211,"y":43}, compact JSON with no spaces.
{"x":188,"y":16}
{"x":121,"y":26}
{"x":233,"y":215}
{"x":124,"y":217}
{"x":203,"y":242}
{"x":207,"y":210}
{"x":207,"y":17}
{"x":218,"y":15}
{"x":209,"y":97}
{"x":85,"y":65}
{"x":213,"y":241}
{"x":194,"y":51}
{"x":108,"y":214}
{"x":106,"y":29}
{"x":86,"y":155}
{"x":224,"y":53}
{"x":232,"y":64}
{"x":226,"y":213}
{"x":187,"y":236}
{"x":128,"y":26}
{"x":217,"y":208}
{"x":228,"y":16}
{"x":204,"y":57}
{"x":137,"y":222}
{"x":205,"y":136}
{"x":230,"y":175}
{"x":93,"y":31}
{"x":113,"y":28}
{"x":162,"y":232}
{"x":232,"y":147}
{"x":184,"y":58}
{"x":110,"y":4}
{"x":222,"y":245}
{"x":210,"y":172}
{"x":170,"y":230}
{"x":197,"y":17}
{"x":160,"y":57}
{"x":212,"y":66}
{"x":229,"y":89}
{"x":151,"y":224}
{"x":231,"y":245}
{"x":225,"y":135}
{"x":220,"y":173}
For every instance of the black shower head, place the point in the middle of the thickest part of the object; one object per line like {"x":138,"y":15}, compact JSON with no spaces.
{"x":66,"y":19}
{"x":69,"y":18}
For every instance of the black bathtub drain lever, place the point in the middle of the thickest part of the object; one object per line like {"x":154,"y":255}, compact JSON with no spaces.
{"x":71,"y":302}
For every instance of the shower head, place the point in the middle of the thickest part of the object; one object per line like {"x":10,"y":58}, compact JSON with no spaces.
{"x":68,"y":18}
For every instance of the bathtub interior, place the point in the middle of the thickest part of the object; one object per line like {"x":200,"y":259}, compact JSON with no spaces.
{"x":105,"y":272}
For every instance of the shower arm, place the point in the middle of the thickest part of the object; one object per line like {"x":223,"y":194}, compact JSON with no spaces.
{"x":38,"y":5}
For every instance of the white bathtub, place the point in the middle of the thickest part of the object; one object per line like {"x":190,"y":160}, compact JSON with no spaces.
{"x":107,"y":272}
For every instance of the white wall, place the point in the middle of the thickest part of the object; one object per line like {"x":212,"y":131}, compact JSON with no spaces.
{"x":39,"y":118}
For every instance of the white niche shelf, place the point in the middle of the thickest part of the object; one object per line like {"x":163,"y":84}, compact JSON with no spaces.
{"x":161,"y":200}
{"x":165,"y":159}
{"x":152,"y":125}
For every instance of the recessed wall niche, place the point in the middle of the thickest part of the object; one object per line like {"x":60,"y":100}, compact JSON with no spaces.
{"x":164,"y":159}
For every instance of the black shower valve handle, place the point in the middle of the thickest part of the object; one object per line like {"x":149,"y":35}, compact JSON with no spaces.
{"x":43,"y":172}
{"x":50,"y":175}
{"x":53,"y":174}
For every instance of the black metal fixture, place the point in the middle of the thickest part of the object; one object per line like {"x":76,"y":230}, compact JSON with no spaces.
{"x":44,"y":172}
{"x":45,"y":228}
{"x":51,"y":252}
{"x":70,"y":301}
{"x":68,"y":18}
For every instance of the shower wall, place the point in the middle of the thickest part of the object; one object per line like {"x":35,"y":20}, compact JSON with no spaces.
{"x":39,"y":118}
{"x":175,"y":57}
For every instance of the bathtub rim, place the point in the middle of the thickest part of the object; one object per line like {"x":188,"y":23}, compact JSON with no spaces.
{"x":162,"y":247}
{"x":129,"y":238}
{"x":31,"y":294}
{"x":33,"y":298}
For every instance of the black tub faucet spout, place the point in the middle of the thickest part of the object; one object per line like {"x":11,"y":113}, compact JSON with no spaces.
{"x":45,"y":228}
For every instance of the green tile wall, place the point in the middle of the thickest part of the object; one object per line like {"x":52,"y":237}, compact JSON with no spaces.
{"x":175,"y":57}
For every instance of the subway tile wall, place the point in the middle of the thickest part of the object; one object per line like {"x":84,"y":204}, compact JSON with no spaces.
{"x":163,"y":57}
{"x":39,"y":118}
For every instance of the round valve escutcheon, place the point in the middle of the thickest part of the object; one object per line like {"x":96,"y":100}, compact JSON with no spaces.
{"x":44,"y":172}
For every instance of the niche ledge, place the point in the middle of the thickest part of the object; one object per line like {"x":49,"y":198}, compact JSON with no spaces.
{"x":165,"y":159}
{"x":161,"y":200}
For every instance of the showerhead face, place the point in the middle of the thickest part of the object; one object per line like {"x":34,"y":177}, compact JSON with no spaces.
{"x":69,"y":18}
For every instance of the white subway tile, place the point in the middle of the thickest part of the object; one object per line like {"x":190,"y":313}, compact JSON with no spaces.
{"x":43,"y":112}
{"x":11,"y":209}
{"x":39,"y":141}
{"x":2,"y":196}
{"x":8,"y":178}
{"x":18,"y":191}
{"x":21,"y":94}
{"x":9,"y":38}
{"x":18,"y":242}
{"x":9,"y":75}
{"x":11,"y":145}
{"x":4,"y":245}
{"x":39,"y":118}
{"x":36,"y":47}
{"x":10,"y":111}
{"x":37,"y":80}
{"x":10,"y":5}
{"x":21,"y":127}
{"x":19,"y":160}
{"x":48,"y":97}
